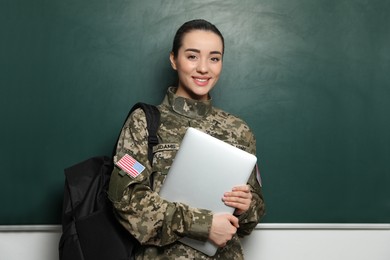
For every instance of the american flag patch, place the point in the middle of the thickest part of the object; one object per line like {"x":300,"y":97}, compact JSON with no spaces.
{"x":130,"y":165}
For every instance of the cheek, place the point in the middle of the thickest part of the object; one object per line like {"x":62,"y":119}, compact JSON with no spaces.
{"x":184,"y":66}
{"x":183,"y":73}
{"x":217,"y":69}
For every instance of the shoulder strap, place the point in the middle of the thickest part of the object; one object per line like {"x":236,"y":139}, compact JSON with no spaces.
{"x":152,"y":123}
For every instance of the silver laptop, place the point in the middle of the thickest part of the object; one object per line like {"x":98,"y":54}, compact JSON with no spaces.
{"x":202,"y":171}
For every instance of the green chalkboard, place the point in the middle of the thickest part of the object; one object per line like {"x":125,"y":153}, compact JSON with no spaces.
{"x":312,"y":78}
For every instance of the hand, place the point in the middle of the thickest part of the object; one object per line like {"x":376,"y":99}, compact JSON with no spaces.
{"x":240,"y":198}
{"x":223,"y":228}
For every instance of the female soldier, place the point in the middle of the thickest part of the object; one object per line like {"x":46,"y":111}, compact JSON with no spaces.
{"x":197,"y":53}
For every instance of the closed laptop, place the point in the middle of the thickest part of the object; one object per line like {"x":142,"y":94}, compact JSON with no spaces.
{"x":202,"y":171}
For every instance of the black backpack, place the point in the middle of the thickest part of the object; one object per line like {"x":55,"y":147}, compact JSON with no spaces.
{"x":89,"y":228}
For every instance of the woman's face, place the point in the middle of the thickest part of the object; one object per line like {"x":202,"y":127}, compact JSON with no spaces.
{"x":198,"y":64}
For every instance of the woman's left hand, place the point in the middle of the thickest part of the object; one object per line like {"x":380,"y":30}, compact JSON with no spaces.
{"x":240,"y":198}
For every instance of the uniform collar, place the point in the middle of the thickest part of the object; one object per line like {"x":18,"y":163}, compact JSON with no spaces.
{"x":188,"y":107}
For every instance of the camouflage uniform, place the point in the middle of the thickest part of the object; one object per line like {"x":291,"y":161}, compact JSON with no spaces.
{"x":157,"y":223}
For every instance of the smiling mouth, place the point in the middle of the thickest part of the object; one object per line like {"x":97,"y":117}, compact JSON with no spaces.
{"x":201,"y":80}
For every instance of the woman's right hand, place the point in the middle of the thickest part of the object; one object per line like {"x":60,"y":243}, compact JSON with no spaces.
{"x":223,"y":228}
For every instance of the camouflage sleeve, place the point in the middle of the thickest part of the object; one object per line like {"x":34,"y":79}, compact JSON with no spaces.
{"x":140,"y":210}
{"x":252,"y":216}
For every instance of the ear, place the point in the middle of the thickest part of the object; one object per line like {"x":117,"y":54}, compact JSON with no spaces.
{"x":173,"y":60}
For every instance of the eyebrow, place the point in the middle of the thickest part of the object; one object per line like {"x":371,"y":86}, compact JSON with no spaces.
{"x":198,"y":51}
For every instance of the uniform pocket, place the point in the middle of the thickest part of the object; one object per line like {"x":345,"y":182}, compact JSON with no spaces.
{"x":163,"y":157}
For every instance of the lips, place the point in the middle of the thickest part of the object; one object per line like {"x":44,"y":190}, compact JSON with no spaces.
{"x":201,"y":81}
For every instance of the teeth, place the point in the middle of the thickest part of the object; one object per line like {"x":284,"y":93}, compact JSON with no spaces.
{"x":202,"y":80}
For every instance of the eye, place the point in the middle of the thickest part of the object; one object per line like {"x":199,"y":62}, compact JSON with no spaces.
{"x":215,"y":59}
{"x":191,"y":57}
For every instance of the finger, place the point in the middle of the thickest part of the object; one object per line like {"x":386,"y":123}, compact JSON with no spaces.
{"x":238,"y":206}
{"x":236,"y":200}
{"x":233,"y":220}
{"x":244,"y":188}
{"x":235,"y":196}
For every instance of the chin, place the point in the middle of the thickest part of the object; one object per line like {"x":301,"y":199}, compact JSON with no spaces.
{"x":201,"y":95}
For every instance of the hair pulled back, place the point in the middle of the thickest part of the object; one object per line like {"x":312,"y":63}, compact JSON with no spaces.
{"x":197,"y":24}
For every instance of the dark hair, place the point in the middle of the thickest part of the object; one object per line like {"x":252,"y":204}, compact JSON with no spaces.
{"x":198,"y":24}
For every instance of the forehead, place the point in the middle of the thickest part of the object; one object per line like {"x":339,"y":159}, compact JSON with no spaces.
{"x":202,"y":40}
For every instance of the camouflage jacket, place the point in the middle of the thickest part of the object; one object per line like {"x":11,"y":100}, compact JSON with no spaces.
{"x":159,"y":224}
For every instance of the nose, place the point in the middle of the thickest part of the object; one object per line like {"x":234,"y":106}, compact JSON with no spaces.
{"x":202,"y":66}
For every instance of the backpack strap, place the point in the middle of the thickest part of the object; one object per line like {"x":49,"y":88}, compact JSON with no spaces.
{"x":152,"y":123}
